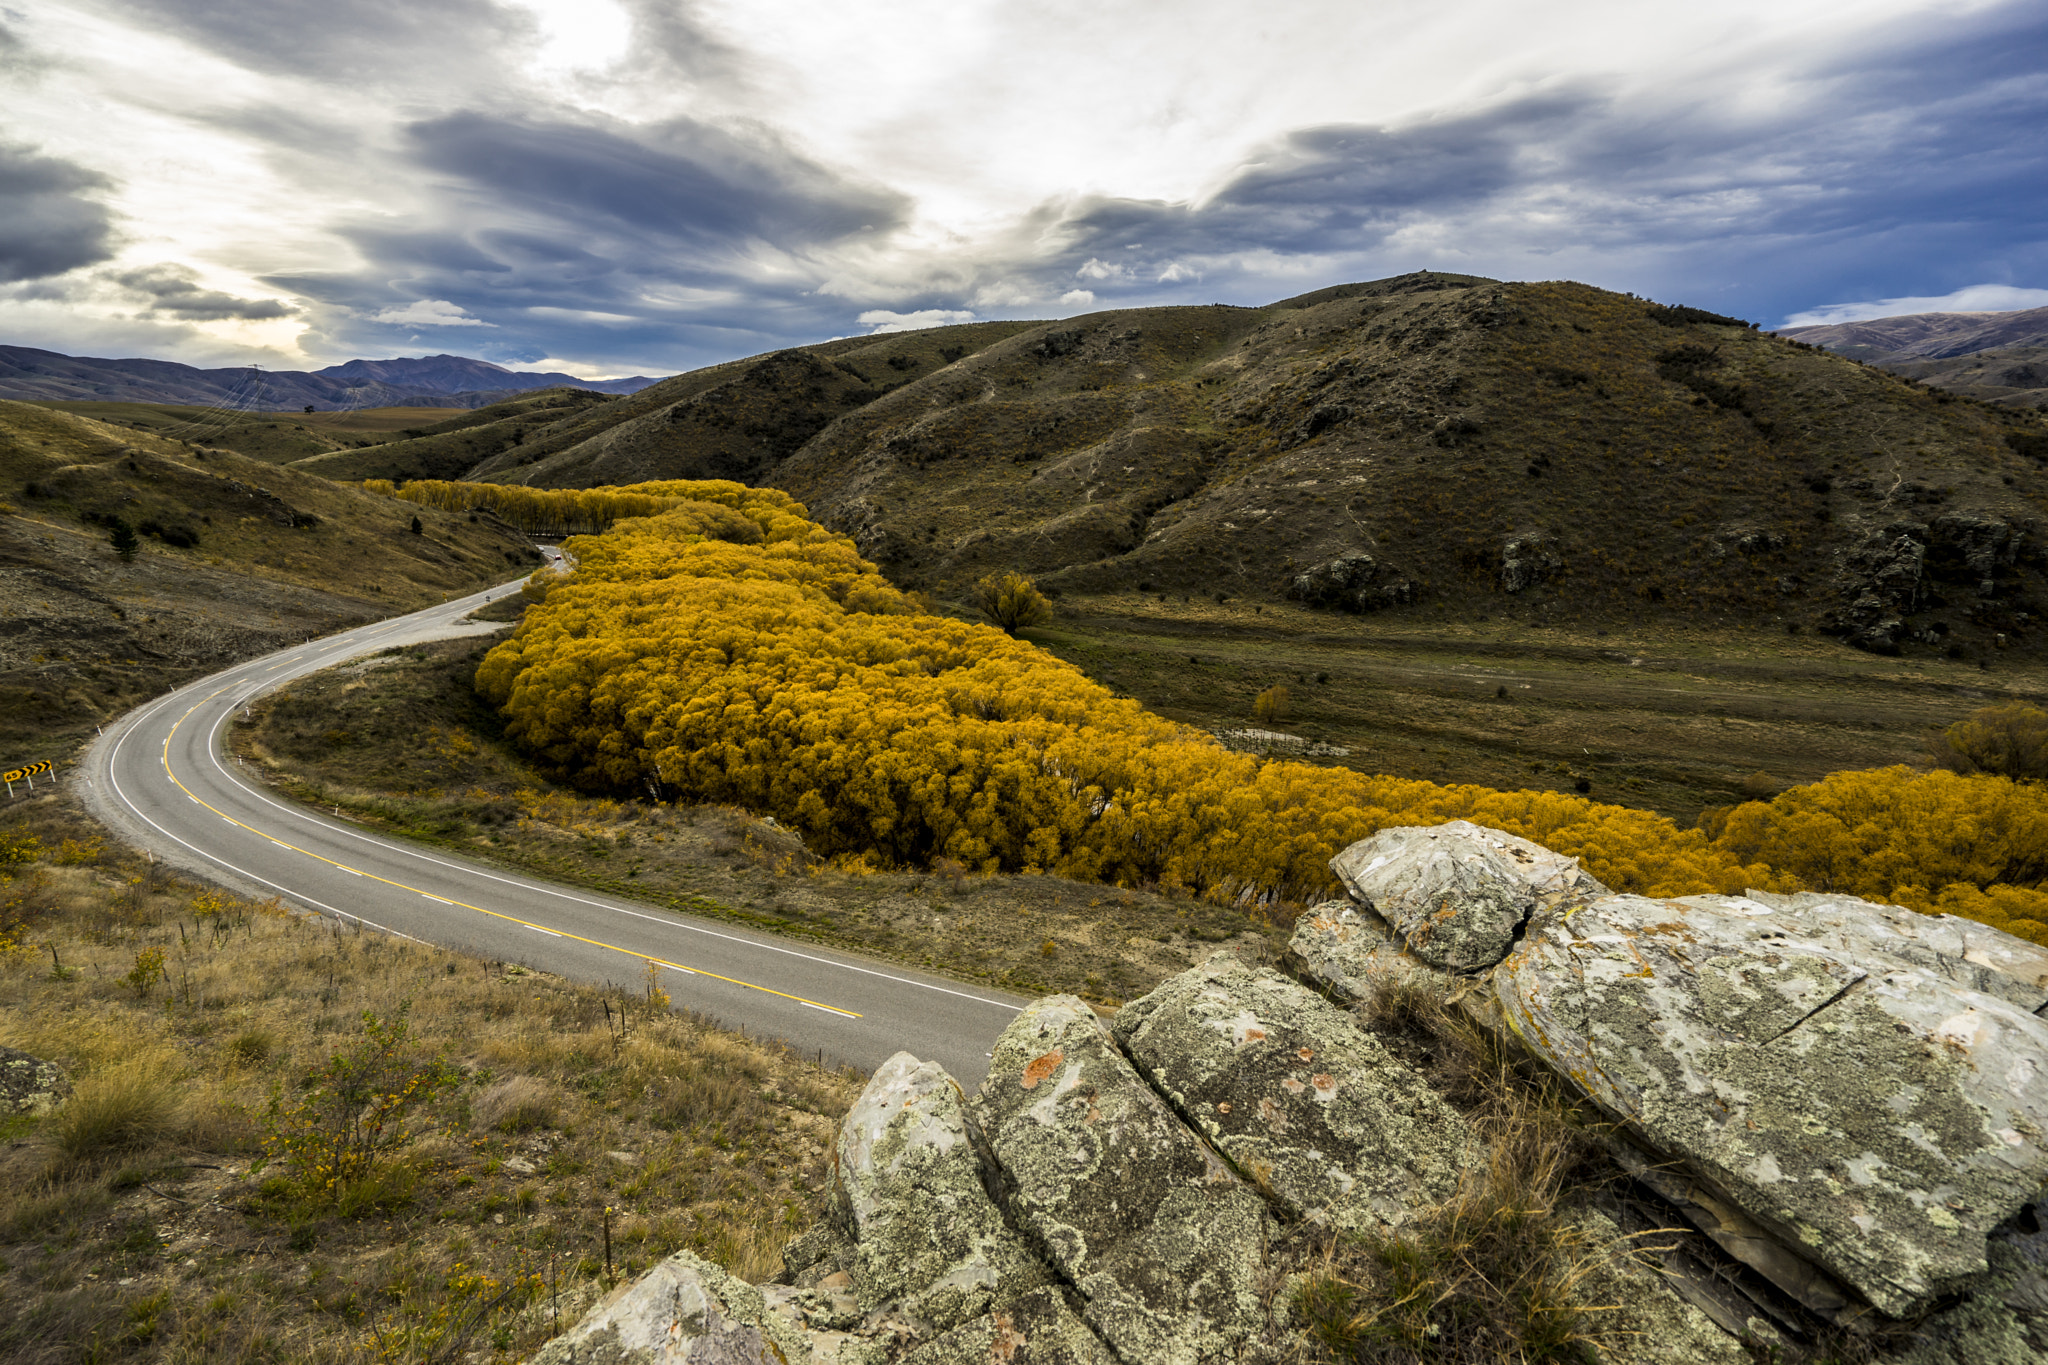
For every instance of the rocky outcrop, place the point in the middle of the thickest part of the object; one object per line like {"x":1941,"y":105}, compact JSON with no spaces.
{"x":1353,"y":582}
{"x":30,"y":1085}
{"x":1157,"y":1235}
{"x":1529,"y":559}
{"x":1818,"y":1114}
{"x":1312,"y":1109}
{"x":1456,"y":895}
{"x":1869,"y":1115}
{"x":685,"y":1311}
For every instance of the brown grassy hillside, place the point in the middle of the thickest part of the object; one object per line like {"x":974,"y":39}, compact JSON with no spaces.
{"x":1430,"y":448}
{"x":236,"y":557}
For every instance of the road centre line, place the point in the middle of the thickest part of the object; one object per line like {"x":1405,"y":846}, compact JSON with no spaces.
{"x":542,"y":888}
{"x":495,"y":914}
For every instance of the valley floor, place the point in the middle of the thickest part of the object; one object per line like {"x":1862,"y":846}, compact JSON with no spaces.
{"x":1666,"y":720}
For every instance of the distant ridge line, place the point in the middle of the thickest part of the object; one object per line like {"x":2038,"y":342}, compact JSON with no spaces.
{"x":448,"y":381}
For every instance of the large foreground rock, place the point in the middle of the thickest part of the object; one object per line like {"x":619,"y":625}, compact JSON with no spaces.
{"x":1131,"y":1208}
{"x":929,"y":1239}
{"x":1858,"y":1104}
{"x":685,"y":1311}
{"x":1310,"y":1107}
{"x":1456,"y":895}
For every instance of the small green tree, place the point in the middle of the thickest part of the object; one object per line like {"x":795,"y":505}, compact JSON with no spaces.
{"x":2007,"y":741}
{"x":364,"y":1103}
{"x":123,"y":538}
{"x":417,"y":529}
{"x":1011,"y":601}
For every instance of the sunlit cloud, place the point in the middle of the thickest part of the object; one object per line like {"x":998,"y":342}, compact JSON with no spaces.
{"x":429,"y":313}
{"x":636,"y":186}
{"x":1976,"y":298}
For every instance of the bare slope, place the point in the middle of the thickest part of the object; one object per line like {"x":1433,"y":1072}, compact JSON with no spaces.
{"x":1436,"y":443}
{"x":1931,"y":336}
{"x":739,"y":420}
{"x":236,"y":558}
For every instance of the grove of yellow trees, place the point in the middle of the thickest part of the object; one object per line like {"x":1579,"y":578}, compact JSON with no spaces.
{"x":724,"y":648}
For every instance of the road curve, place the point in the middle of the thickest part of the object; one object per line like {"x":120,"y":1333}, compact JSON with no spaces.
{"x":160,"y":776}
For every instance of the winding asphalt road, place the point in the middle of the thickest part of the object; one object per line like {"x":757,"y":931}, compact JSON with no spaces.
{"x":161,"y":777}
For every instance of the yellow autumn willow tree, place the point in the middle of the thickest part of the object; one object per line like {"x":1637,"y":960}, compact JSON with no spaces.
{"x":545,"y":511}
{"x":728,"y":649}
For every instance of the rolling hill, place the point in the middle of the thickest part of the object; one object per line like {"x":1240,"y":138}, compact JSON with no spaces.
{"x":446,"y":381}
{"x":1429,"y":446}
{"x":1998,"y":358}
{"x":236,"y":557}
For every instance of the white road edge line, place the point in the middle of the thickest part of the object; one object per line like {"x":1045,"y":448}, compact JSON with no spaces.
{"x":222,"y":769}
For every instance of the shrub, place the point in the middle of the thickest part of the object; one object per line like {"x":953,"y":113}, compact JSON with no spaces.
{"x":363,"y":1105}
{"x":2005,"y":741}
{"x":1011,"y":601}
{"x":1270,"y":706}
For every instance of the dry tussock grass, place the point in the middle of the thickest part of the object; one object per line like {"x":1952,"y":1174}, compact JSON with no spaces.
{"x":132,"y":1224}
{"x":1502,"y":1273}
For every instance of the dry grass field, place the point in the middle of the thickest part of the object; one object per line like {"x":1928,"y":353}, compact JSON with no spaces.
{"x":175,"y":1206}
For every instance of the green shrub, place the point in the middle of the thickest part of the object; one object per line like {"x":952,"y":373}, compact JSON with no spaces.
{"x":361,"y":1106}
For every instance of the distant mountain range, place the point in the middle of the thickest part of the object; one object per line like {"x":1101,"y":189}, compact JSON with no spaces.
{"x":2000,"y":358}
{"x":435,"y":381}
{"x":1927,"y":336}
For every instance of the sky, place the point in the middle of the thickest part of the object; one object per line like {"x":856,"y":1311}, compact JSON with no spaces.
{"x":614,"y":187}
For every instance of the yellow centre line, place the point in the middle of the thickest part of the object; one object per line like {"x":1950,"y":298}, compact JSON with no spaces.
{"x":494,"y":914}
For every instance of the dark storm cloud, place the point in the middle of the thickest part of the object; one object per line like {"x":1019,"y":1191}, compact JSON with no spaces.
{"x":49,"y":221}
{"x":633,"y":240}
{"x":1922,"y":158}
{"x":174,"y":291}
{"x":679,"y":181}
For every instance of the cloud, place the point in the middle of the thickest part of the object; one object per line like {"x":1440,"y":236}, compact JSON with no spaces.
{"x":429,"y":313}
{"x":1176,"y":272}
{"x":1078,"y":298}
{"x":48,"y":222}
{"x":1976,"y":298}
{"x":174,"y":291}
{"x":1095,"y":268}
{"x":879,"y":320}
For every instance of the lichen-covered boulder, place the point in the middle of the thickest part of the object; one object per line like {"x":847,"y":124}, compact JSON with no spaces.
{"x":685,"y":1311}
{"x":30,"y":1085}
{"x":930,"y":1241}
{"x":1864,"y":1109}
{"x":1133,"y":1209}
{"x":1349,"y":953}
{"x":1457,"y":894}
{"x":1032,"y":1329}
{"x":1308,"y":1106}
{"x":1962,"y":952}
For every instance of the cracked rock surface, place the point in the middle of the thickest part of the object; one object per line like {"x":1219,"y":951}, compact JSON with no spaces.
{"x":1820,"y":1111}
{"x":1876,"y":1116}
{"x":1308,"y":1105}
{"x":1134,"y":1210}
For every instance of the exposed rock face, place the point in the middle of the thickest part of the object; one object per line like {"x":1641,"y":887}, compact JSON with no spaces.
{"x":1310,"y":1107}
{"x":1865,"y":1110}
{"x":685,"y":1311}
{"x":1527,"y":560}
{"x":1880,"y":582}
{"x":1456,"y":895}
{"x":30,"y":1085}
{"x":1845,"y":1101}
{"x":1136,"y":1212}
{"x":1354,"y":582}
{"x":930,"y":1240}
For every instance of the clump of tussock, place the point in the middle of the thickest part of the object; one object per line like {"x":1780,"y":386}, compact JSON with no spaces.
{"x":130,"y":1109}
{"x":1499,"y":1273}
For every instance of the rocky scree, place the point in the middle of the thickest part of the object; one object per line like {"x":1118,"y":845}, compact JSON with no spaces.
{"x":1833,"y":1111}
